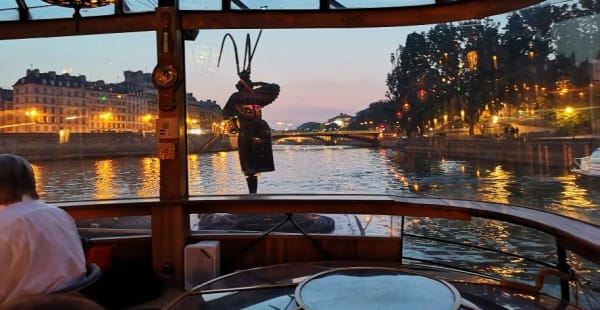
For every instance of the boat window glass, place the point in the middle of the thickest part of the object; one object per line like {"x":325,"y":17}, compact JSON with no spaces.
{"x":7,"y":14}
{"x":97,"y":145}
{"x":352,"y":4}
{"x":323,"y":83}
{"x":469,"y":95}
{"x":200,"y":5}
{"x":139,"y":6}
{"x":8,"y":5}
{"x":274,"y":5}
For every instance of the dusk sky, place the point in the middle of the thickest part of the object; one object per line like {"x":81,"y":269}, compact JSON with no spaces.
{"x":322,"y":72}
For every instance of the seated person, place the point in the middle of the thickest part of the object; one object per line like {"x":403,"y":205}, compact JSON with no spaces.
{"x":40,"y":247}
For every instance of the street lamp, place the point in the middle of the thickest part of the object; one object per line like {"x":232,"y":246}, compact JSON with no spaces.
{"x":31,"y":114}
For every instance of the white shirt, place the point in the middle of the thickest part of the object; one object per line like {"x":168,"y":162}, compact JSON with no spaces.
{"x":40,"y":249}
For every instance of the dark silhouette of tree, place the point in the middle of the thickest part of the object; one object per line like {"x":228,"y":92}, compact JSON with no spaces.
{"x":406,"y":83}
{"x":479,"y":72}
{"x":476,"y":67}
{"x":310,"y":126}
{"x":444,"y":46}
{"x":516,"y":61}
{"x":380,"y":113}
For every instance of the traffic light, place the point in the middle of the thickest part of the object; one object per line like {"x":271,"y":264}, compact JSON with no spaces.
{"x":458,"y":89}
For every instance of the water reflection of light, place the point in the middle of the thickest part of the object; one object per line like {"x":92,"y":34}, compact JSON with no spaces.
{"x":150,"y":177}
{"x":194,"y":168}
{"x":37,"y":175}
{"x":105,"y":177}
{"x":400,"y":177}
{"x":451,"y":167}
{"x":495,"y":190}
{"x":219,"y":163}
{"x":507,"y":272}
{"x":572,"y":198}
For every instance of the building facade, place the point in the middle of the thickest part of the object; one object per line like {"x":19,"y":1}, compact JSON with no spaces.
{"x":61,"y":103}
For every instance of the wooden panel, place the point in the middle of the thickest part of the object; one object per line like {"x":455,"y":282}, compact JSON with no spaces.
{"x":278,"y":249}
{"x":91,"y":211}
{"x":378,"y":249}
{"x":301,"y":249}
{"x":169,"y":237}
{"x":128,"y":249}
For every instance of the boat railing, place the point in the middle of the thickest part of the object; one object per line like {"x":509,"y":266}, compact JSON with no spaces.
{"x":568,"y":244}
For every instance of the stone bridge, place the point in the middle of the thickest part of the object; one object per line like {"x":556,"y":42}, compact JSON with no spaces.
{"x":369,"y":137}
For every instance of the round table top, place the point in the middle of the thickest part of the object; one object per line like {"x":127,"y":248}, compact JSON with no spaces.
{"x":375,"y":288}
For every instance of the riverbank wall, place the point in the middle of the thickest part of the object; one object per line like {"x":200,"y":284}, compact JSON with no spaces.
{"x":35,"y":146}
{"x":549,"y":152}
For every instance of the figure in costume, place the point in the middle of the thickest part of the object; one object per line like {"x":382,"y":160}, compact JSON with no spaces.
{"x":244,"y":108}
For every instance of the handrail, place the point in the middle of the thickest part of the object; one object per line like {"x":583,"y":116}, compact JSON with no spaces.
{"x":580,"y":237}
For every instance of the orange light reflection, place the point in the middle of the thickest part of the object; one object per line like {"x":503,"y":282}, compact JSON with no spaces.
{"x":105,"y":176}
{"x":150,"y":177}
{"x":496,"y":189}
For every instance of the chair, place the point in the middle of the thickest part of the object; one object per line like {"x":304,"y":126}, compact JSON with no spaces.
{"x":92,"y":275}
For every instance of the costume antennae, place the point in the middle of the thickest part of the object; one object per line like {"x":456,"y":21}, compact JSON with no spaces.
{"x":247,"y":56}
{"x":249,"y":50}
{"x":237,"y":60}
{"x":255,"y":44}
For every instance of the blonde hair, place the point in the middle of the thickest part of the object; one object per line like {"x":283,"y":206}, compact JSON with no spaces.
{"x":16,"y":179}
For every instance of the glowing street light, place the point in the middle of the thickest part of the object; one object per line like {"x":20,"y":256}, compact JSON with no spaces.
{"x":105,"y":116}
{"x":31,"y":113}
{"x":147,"y":118}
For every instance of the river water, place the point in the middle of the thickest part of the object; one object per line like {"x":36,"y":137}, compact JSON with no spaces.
{"x":330,"y":169}
{"x":343,"y":169}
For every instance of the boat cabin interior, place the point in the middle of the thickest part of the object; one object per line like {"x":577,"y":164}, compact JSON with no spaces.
{"x":178,"y":248}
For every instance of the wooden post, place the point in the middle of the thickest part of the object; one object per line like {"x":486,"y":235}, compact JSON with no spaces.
{"x":170,"y":226}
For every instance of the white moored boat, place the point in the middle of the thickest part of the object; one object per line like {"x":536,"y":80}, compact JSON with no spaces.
{"x":588,"y":165}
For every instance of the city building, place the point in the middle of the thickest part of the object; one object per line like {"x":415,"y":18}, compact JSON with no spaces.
{"x":61,"y":103}
{"x":202,"y":115}
{"x":6,"y":99}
